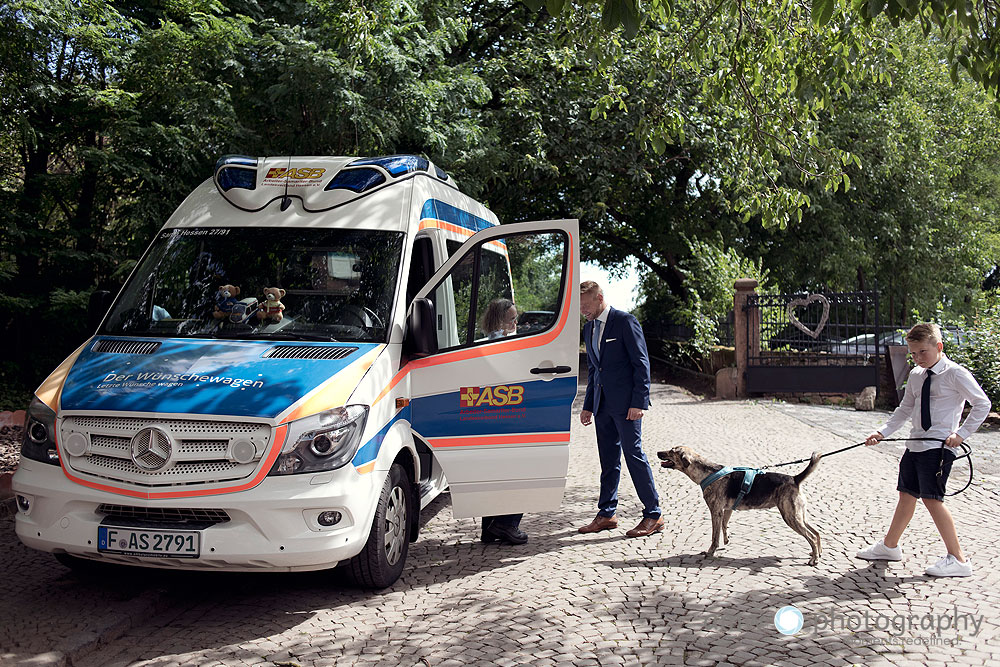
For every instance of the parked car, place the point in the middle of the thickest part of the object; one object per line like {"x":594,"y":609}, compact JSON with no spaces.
{"x":864,"y":344}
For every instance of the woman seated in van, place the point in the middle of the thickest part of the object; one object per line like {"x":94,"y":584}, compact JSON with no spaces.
{"x":499,"y":320}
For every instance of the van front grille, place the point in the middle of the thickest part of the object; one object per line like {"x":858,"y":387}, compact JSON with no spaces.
{"x":168,"y":516}
{"x":201,"y":451}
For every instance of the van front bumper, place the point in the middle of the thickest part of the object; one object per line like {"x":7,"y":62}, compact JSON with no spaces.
{"x":273,"y":526}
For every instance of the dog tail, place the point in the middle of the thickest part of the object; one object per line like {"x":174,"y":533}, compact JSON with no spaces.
{"x":813,"y":462}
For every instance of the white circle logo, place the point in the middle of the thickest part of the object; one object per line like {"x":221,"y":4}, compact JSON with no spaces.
{"x":788,"y":620}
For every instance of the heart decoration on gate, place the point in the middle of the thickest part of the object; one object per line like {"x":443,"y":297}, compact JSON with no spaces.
{"x":812,"y":298}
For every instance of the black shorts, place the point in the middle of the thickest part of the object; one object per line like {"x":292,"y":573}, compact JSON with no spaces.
{"x":918,"y":473}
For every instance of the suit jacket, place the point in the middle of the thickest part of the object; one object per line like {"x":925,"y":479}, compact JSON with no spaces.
{"x":620,"y":379}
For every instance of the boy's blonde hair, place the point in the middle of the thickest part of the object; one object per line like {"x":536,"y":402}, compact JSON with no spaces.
{"x":925,"y":331}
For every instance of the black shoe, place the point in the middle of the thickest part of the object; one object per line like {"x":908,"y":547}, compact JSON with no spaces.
{"x":505,"y":533}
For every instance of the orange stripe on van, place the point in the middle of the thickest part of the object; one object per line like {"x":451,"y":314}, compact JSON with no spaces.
{"x":488,"y":440}
{"x":50,"y":391}
{"x":280,"y":432}
{"x":403,"y":372}
{"x":456,"y":229}
{"x":366,"y":468}
{"x":336,"y":391}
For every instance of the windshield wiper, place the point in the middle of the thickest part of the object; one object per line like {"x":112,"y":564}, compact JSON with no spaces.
{"x":274,"y":335}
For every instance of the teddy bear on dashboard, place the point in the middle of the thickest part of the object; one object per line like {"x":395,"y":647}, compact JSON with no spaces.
{"x":271,"y":307}
{"x":225,"y":301}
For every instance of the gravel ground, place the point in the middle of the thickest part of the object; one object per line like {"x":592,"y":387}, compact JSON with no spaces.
{"x":10,"y":448}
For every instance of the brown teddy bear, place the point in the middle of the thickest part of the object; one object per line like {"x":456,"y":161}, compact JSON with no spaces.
{"x":271,"y":306}
{"x":225,"y":301}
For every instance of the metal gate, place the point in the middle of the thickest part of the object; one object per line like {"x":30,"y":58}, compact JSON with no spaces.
{"x":823,"y":342}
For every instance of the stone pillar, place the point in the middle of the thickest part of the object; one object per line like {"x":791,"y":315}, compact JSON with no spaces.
{"x":742,"y":342}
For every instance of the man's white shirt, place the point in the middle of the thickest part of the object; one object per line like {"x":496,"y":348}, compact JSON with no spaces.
{"x":951,"y":386}
{"x":599,"y":322}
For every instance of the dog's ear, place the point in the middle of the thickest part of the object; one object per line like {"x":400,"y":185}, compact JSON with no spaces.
{"x":685,"y":459}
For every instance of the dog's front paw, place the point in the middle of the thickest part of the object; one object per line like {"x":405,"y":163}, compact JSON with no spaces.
{"x":813,"y":561}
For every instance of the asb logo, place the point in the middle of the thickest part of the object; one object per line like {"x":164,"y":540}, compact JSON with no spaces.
{"x":301,"y":173}
{"x":474,"y":397}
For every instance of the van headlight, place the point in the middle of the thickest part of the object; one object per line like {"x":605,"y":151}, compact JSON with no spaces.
{"x":325,"y":441}
{"x":39,"y":443}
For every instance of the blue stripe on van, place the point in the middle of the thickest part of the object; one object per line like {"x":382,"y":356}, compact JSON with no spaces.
{"x":544,"y":408}
{"x":369,"y":451}
{"x":435,"y":209}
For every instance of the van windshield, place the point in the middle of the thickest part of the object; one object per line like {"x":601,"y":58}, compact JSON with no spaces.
{"x":264,"y":282}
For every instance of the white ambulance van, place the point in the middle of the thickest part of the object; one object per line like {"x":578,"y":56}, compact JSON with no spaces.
{"x":299,"y":363}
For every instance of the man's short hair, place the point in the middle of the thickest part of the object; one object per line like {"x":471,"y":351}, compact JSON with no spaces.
{"x":591,"y":288}
{"x":925,"y":331}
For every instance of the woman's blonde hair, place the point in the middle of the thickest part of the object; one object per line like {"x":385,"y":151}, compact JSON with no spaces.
{"x":495,"y":314}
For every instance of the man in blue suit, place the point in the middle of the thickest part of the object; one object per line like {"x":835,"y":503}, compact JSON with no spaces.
{"x":617,"y":395}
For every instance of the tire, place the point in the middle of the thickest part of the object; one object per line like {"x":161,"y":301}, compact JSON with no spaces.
{"x":382,"y":560}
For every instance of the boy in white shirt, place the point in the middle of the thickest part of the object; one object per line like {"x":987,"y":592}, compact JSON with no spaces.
{"x":936,"y":392}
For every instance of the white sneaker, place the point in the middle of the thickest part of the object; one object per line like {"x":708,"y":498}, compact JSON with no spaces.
{"x":879,"y":551}
{"x":949,"y":566}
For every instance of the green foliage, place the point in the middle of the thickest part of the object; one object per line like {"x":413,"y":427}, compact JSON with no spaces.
{"x":970,"y":27}
{"x":919,"y":216}
{"x":711,"y":271}
{"x":979,"y":347}
{"x":808,"y":134}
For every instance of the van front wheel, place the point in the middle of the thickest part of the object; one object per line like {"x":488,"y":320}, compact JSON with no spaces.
{"x":381,"y":561}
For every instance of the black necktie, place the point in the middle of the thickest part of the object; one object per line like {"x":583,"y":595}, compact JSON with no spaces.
{"x":925,"y":402}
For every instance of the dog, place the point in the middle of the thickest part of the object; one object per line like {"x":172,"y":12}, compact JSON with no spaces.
{"x":770,"y":489}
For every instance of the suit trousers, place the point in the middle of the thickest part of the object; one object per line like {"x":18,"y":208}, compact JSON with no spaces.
{"x":616,"y":436}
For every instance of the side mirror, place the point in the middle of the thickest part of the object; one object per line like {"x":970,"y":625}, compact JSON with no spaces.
{"x":421,"y":330}
{"x":100,"y":302}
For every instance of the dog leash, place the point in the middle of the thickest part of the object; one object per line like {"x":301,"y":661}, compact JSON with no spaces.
{"x":940,"y":473}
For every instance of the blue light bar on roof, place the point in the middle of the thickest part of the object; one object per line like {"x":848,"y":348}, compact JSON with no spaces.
{"x":356,"y":180}
{"x":397,"y":165}
{"x":236,"y":171}
{"x":244,"y":160}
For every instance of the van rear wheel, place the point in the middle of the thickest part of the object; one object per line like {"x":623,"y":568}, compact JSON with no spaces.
{"x":381,"y":561}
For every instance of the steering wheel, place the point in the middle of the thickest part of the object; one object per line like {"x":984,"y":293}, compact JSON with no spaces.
{"x":375,"y":318}
{"x":365,"y":316}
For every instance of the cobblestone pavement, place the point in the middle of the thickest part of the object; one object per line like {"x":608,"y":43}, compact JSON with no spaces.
{"x":571,"y":599}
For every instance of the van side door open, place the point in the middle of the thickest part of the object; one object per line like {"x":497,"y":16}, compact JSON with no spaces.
{"x":494,"y":400}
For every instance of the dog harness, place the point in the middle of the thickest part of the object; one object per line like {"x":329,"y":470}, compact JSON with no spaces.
{"x":748,"y":475}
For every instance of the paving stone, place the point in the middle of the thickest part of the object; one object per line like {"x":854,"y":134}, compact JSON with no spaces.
{"x":566,"y":598}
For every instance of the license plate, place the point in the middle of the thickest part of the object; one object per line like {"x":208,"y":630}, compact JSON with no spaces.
{"x":143,"y":542}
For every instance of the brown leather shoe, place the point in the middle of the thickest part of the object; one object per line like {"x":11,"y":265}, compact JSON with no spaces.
{"x":599,"y":523}
{"x":647,"y":526}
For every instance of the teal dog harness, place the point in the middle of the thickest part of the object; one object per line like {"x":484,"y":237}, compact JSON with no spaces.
{"x":748,"y":475}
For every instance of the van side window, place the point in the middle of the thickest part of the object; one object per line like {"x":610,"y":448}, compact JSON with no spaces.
{"x":501,"y":288}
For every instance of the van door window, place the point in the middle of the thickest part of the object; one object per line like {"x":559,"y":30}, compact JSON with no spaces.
{"x":502,"y":288}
